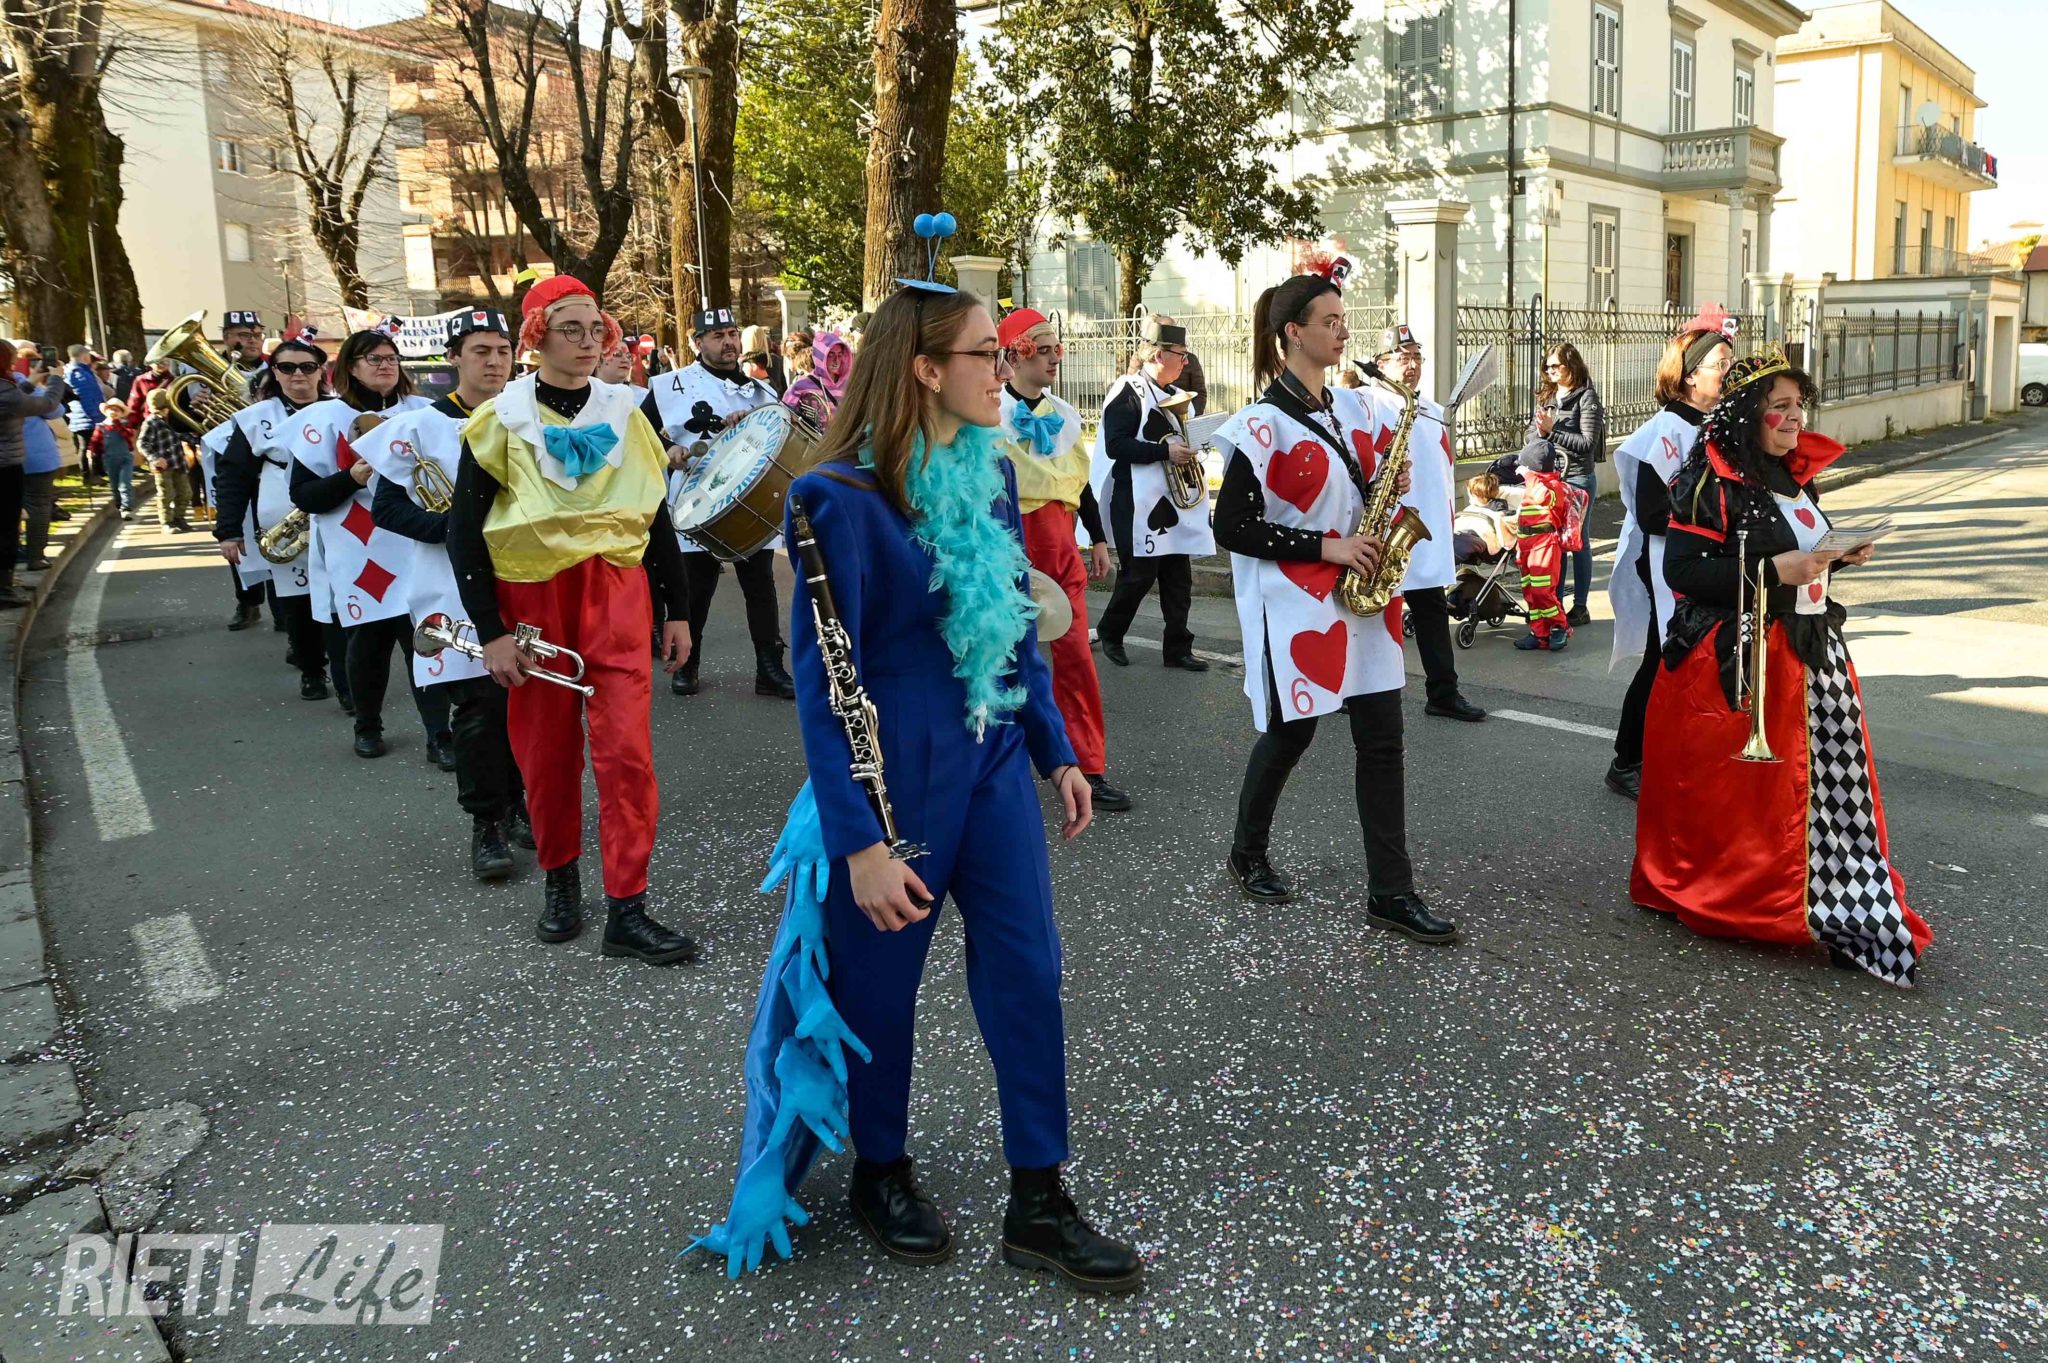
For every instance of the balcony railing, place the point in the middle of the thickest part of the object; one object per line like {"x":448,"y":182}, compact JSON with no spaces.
{"x":1935,"y":262}
{"x":1722,"y":158}
{"x":1942,"y":144}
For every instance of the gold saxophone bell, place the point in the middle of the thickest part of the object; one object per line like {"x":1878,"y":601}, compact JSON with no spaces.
{"x":212,"y":394}
{"x":429,"y":483}
{"x":438,"y":632}
{"x":286,"y":540}
{"x":1752,"y":622}
{"x":1186,"y":484}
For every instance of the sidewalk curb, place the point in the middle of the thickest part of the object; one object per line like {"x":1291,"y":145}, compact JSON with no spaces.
{"x":1848,"y":477}
{"x":42,"y":1112}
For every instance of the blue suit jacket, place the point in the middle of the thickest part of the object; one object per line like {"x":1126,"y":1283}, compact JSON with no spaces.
{"x":881,"y":582}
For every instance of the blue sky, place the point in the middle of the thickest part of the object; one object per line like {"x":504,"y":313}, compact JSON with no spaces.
{"x":2004,"y":41}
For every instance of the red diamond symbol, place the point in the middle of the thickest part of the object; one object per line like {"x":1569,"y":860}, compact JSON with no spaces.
{"x":358,"y":522}
{"x":375,"y":579}
{"x":345,"y":455}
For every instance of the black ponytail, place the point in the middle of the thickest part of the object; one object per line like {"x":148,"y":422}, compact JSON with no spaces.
{"x":1287,"y":301}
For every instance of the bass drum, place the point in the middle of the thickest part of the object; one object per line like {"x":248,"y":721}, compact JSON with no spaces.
{"x":730,"y":502}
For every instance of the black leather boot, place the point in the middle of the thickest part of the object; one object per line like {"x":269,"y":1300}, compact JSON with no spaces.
{"x":1108,"y":799}
{"x":628,"y":931}
{"x":1626,"y":781}
{"x":895,"y":1213}
{"x":519,"y":828}
{"x":245,"y":616}
{"x":770,"y":677}
{"x":312,"y":687}
{"x":1257,"y":878}
{"x":683,"y":682}
{"x":562,"y":918}
{"x":1042,"y":1229}
{"x":1409,"y":916}
{"x":489,"y":857}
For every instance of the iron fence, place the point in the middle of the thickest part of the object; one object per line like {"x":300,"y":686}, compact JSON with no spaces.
{"x":1879,"y":353}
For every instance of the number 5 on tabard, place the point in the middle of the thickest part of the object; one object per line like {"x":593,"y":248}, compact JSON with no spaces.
{"x":1150,"y":548}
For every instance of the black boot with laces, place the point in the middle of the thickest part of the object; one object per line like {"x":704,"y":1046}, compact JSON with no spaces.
{"x":562,"y":918}
{"x":895,"y":1213}
{"x":1043,"y":1230}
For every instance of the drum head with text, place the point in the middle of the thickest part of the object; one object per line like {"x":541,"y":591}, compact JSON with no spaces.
{"x":730,"y":467}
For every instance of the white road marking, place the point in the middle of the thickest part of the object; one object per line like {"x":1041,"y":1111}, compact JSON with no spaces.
{"x":1229,"y":659}
{"x":2040,"y":820}
{"x":117,"y":804}
{"x":174,"y":964}
{"x":1545,"y":721}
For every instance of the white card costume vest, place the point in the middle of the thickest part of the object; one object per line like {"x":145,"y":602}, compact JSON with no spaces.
{"x":1154,"y":527}
{"x":1663,"y":442}
{"x":1807,"y":523}
{"x":676,"y":395}
{"x":253,"y":568}
{"x":1320,"y":653}
{"x":357,"y":569}
{"x":394,"y":450}
{"x":1432,"y":484}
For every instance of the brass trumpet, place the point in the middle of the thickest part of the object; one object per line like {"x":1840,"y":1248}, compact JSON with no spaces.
{"x":1185,"y":483}
{"x":1751,"y":640}
{"x":286,"y":540}
{"x":438,"y":632}
{"x":429,"y":483}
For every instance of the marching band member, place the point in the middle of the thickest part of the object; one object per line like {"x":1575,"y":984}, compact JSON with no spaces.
{"x":915,"y":513}
{"x":358,"y":571}
{"x":252,"y":491}
{"x":821,"y":363}
{"x":1792,"y":850}
{"x":1688,"y":384}
{"x":486,"y":778}
{"x":241,"y":341}
{"x":1154,"y":538}
{"x":690,"y":405}
{"x":1298,"y":466}
{"x":558,"y":500}
{"x":1041,"y":435}
{"x":1433,"y":565}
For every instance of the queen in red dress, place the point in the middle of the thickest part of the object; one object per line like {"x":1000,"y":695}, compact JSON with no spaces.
{"x":1793,"y":851}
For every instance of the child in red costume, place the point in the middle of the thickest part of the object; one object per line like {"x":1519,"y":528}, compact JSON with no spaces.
{"x":1542,"y":522}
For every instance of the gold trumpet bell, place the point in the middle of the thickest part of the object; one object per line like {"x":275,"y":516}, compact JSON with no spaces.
{"x":435,"y":492}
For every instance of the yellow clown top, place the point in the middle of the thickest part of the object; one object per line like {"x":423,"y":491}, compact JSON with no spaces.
{"x":550,"y":515}
{"x":1043,"y":439}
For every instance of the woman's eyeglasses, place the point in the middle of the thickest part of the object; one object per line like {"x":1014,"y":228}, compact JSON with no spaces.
{"x":298,"y":367}
{"x":383,"y":359}
{"x":576,"y":333}
{"x":997,"y":359}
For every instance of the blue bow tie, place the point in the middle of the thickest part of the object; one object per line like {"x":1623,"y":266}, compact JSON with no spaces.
{"x":582,"y":449}
{"x":1042,"y":431}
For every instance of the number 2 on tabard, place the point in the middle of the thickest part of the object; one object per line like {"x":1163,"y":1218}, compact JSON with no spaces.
{"x":354,"y":609}
{"x":1299,"y":695}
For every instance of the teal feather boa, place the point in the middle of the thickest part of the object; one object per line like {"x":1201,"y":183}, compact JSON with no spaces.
{"x":976,"y":562}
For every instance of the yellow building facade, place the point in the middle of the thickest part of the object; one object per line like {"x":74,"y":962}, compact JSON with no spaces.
{"x":1879,"y":162}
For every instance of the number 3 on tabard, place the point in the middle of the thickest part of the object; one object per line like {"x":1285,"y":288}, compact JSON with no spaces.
{"x":298,"y":575}
{"x":1299,"y":695}
{"x":354,"y":608}
{"x":437,"y":664}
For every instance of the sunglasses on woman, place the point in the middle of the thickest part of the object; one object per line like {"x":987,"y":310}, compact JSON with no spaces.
{"x":296,"y":367}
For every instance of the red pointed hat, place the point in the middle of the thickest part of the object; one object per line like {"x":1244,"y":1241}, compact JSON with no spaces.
{"x":553,"y":290}
{"x":1018,"y":325}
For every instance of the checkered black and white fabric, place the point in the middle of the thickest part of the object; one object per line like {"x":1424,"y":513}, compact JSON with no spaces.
{"x":1851,"y":903}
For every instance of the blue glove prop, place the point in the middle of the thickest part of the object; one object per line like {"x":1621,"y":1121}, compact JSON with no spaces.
{"x":811,"y":1094}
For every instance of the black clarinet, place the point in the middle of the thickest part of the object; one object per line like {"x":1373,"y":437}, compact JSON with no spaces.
{"x":848,"y":698}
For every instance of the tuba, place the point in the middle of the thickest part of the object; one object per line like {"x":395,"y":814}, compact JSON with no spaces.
{"x":214,"y":392}
{"x":1398,"y":528}
{"x":1751,"y":637}
{"x":1185,"y":483}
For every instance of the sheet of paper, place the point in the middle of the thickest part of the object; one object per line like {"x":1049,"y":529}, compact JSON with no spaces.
{"x":1843,"y":538}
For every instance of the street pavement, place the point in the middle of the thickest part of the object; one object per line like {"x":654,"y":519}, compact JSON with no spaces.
{"x":1582,"y":1133}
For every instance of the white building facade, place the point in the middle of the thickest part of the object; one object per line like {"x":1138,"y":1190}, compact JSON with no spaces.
{"x":1615,"y":153}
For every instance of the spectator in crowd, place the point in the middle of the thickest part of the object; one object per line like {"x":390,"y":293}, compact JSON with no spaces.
{"x":40,"y":462}
{"x":126,"y":372}
{"x":157,"y":376}
{"x":82,"y":398}
{"x":759,"y":360}
{"x":162,"y":442}
{"x":856,"y":327}
{"x":1570,"y":415}
{"x":112,"y":442}
{"x":18,"y":403}
{"x":1194,"y":381}
{"x":616,"y":364}
{"x":28,"y":352}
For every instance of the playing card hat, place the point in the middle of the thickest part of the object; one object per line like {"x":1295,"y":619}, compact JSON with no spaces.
{"x":1396,"y":336}
{"x":242,"y":318}
{"x":712,"y":319}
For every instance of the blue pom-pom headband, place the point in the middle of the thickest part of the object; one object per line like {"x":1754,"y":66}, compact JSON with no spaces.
{"x":931,"y":228}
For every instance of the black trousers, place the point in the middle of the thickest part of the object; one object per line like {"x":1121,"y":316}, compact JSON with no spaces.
{"x":246,"y":596}
{"x":12,"y":483}
{"x":1432,"y":621}
{"x":1379,"y":784}
{"x":487,"y":782}
{"x":1635,"y":706}
{"x":307,"y":638}
{"x":369,"y":676}
{"x":756,"y":573}
{"x":1175,"y":575}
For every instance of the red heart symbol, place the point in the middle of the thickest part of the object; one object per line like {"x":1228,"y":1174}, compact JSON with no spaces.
{"x":1321,"y":657}
{"x":1805,"y":516}
{"x":1447,"y":448}
{"x":1363,"y":446}
{"x":1318,"y":579}
{"x":1391,"y":618}
{"x":1297,"y":475}
{"x":1814,"y":591}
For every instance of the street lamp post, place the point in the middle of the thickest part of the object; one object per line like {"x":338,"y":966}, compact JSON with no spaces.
{"x":284,"y":267}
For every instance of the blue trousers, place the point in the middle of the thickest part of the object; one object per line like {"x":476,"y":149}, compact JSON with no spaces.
{"x":987,"y":854}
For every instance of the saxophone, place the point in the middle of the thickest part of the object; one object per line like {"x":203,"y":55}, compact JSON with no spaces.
{"x":1398,"y":528}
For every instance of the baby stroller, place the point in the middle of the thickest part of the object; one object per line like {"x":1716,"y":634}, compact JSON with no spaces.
{"x":1489,"y":586}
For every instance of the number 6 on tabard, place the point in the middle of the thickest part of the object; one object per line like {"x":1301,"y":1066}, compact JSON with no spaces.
{"x":354,"y":608}
{"x":1298,"y":694}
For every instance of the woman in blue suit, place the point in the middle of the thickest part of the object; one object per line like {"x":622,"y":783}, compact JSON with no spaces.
{"x":916,"y":513}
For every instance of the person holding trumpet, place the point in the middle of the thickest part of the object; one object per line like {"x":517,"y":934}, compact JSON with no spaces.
{"x":417,"y":456}
{"x":557,"y":504}
{"x":1759,"y":814}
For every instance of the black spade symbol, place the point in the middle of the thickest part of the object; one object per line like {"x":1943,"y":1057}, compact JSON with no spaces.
{"x":1163,"y":517}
